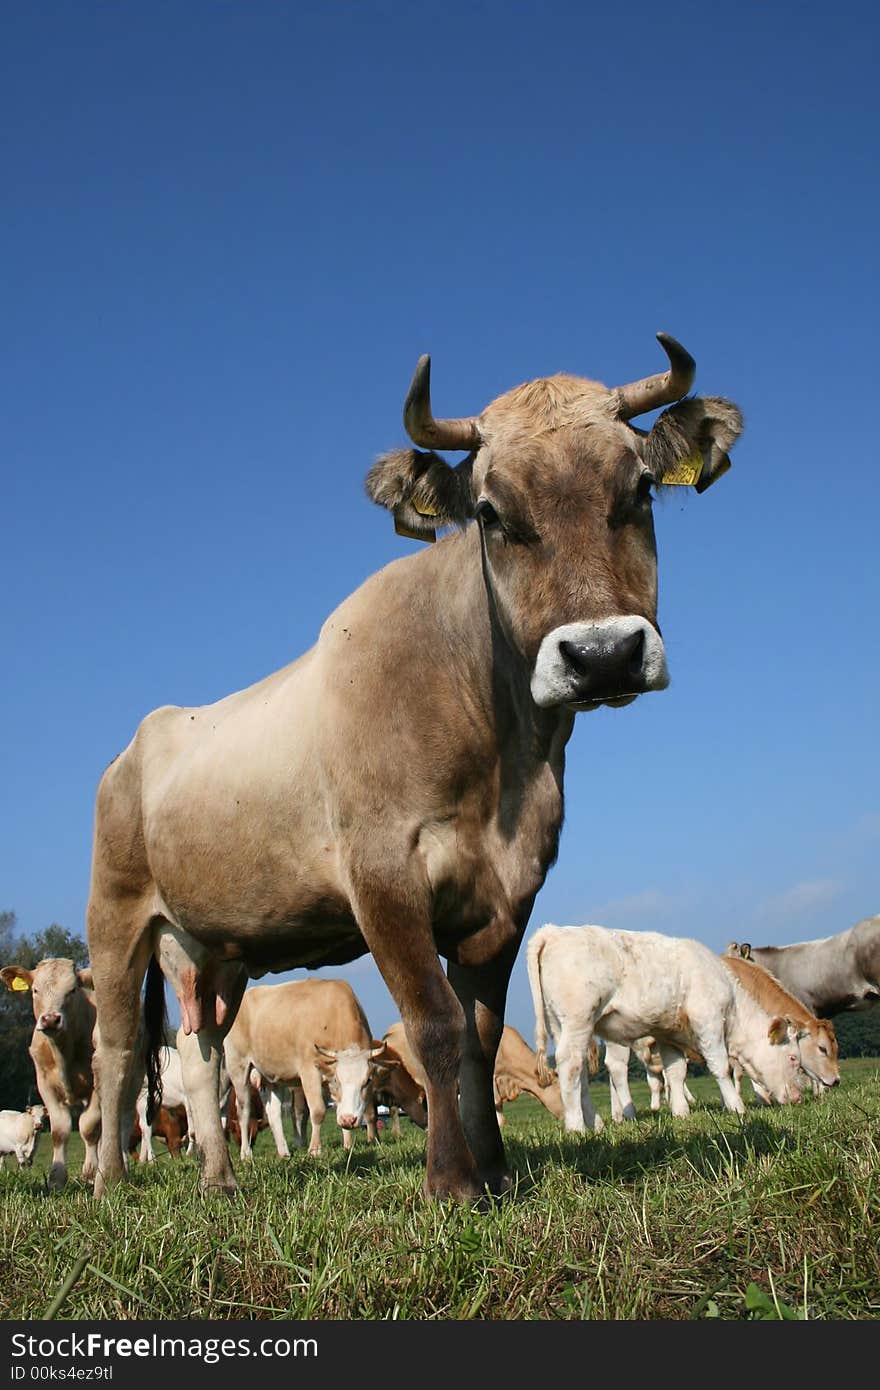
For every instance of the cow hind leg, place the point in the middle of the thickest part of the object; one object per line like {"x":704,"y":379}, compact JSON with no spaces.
{"x":90,"y":1133}
{"x":313,"y":1091}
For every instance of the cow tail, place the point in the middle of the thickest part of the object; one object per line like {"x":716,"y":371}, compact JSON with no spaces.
{"x":533,"y":965}
{"x":155,"y":1022}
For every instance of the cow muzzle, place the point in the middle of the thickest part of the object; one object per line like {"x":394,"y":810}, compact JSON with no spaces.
{"x":49,"y":1023}
{"x":347,"y":1121}
{"x":584,"y":665}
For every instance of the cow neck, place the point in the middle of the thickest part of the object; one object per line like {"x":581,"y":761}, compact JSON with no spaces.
{"x":500,"y":686}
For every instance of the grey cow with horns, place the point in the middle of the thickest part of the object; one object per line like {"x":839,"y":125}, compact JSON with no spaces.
{"x":398,"y":789}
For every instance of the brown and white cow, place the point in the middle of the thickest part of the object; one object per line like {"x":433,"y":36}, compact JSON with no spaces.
{"x":398,"y":788}
{"x":310,"y":1032}
{"x":61,"y":1050}
{"x":19,"y":1130}
{"x":816,"y":1037}
{"x":832,"y":975}
{"x":623,"y":985}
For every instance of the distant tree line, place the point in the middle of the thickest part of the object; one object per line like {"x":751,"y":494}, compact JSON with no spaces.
{"x":17,"y":1079}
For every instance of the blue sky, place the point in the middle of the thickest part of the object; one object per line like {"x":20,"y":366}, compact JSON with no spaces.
{"x":229,"y":231}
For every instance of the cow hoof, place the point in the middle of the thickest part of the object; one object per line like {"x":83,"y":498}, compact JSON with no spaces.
{"x":219,"y":1189}
{"x":57,"y":1177}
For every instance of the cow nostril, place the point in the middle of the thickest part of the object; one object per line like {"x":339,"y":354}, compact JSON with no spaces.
{"x":575,"y":656}
{"x":636,"y":661}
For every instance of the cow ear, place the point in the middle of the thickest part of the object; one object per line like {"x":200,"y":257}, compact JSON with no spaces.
{"x":17,"y":978}
{"x":778,"y":1030}
{"x":422,"y":491}
{"x":85,"y":978}
{"x":688,"y":443}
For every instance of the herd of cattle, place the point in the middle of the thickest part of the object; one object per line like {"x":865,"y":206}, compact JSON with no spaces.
{"x":398,"y":789}
{"x":308,"y":1042}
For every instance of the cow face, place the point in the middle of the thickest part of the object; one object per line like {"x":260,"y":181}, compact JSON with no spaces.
{"x":561,"y":487}
{"x":817,"y":1046}
{"x":56,"y":991}
{"x":348,"y":1073}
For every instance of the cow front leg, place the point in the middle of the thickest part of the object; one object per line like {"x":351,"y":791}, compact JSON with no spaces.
{"x":397,"y":930}
{"x":60,"y":1127}
{"x":482,"y":993}
{"x":274,"y":1115}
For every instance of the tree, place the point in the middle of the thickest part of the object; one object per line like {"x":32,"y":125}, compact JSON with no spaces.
{"x":17,"y":1078}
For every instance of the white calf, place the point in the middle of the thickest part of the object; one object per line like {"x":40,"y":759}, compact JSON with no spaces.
{"x":18,"y":1134}
{"x":624,"y":985}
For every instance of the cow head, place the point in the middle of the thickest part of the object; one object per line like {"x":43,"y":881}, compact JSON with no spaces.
{"x":561,"y":486}
{"x":349,"y":1075}
{"x":39,"y":1115}
{"x":818,"y":1050}
{"x":56,"y":988}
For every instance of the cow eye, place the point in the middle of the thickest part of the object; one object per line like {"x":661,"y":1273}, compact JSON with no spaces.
{"x":823,"y":1050}
{"x":487,"y":515}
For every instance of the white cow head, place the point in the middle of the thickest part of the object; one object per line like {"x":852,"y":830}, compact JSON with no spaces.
{"x":348,"y":1073}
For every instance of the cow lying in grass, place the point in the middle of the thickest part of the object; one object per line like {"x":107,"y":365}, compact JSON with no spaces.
{"x":623,"y":985}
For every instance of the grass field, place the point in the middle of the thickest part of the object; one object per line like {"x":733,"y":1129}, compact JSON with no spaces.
{"x":775,"y":1214}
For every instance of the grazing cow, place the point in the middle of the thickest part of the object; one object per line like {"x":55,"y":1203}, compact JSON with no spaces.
{"x":18,"y":1134}
{"x":396,"y":1082}
{"x":626,"y":984}
{"x":173,"y":1096}
{"x":398,"y":789}
{"x":313,"y":1032}
{"x":816,"y":1038}
{"x":833,"y":975}
{"x":515,"y":1072}
{"x":61,"y":1050}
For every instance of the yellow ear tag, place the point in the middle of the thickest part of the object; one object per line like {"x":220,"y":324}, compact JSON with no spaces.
{"x":19,"y":984}
{"x":424,"y":509}
{"x":684,"y":473}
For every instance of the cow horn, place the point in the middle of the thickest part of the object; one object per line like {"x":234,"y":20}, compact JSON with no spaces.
{"x":662,"y":389}
{"x":420,"y":424}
